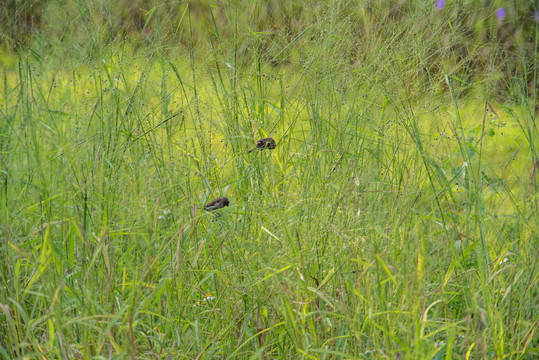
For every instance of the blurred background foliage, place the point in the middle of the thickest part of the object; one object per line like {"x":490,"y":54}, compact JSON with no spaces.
{"x":465,"y":38}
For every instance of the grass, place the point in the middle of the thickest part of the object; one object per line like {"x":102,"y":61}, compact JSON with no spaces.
{"x":397,"y":216}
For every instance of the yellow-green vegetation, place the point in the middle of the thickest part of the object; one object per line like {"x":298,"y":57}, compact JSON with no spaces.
{"x":396,"y":218}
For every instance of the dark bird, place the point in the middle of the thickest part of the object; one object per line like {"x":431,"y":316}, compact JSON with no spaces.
{"x":217,"y":204}
{"x":263,"y":144}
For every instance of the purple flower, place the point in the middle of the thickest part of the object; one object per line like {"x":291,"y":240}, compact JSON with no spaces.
{"x":500,"y":13}
{"x":440,"y":4}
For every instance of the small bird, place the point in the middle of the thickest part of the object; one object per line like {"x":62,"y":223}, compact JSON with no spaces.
{"x":217,"y":204}
{"x":263,"y":144}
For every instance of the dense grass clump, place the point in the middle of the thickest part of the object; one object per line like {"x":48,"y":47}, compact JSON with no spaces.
{"x":396,"y":217}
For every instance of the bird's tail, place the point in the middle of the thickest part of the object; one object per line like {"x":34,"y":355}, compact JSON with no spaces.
{"x":254,"y":147}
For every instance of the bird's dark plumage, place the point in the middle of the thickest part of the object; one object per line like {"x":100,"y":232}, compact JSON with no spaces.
{"x":263,"y":144}
{"x":217,"y":204}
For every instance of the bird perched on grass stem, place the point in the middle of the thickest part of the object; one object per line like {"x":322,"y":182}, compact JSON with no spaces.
{"x":217,"y":204}
{"x":263,"y":144}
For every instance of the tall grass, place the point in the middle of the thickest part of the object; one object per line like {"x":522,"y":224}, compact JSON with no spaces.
{"x":397,"y":217}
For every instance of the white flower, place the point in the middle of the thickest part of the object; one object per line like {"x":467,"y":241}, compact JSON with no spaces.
{"x":439,"y":343}
{"x":208,"y":297}
{"x":167,"y":211}
{"x":161,"y":217}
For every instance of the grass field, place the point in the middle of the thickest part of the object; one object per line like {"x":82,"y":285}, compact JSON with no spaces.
{"x":396,"y":218}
